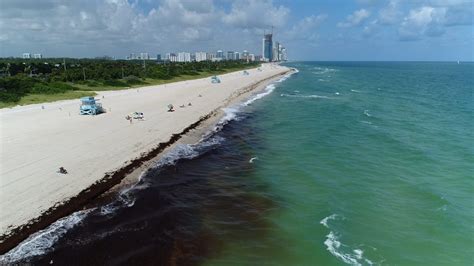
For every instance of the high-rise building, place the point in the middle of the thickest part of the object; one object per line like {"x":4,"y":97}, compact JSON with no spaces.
{"x":267,"y":47}
{"x":144,"y":56}
{"x":37,"y":56}
{"x":230,"y":55}
{"x":158,"y":57}
{"x":26,"y":55}
{"x":184,"y":57}
{"x":201,"y":56}
{"x":276,"y":51}
{"x":283,"y":54}
{"x":220,"y":54}
{"x":237,"y":55}
{"x":171,"y":57}
{"x":245,"y":55}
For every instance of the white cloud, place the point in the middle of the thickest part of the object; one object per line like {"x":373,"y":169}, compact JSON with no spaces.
{"x":355,"y":19}
{"x":251,"y":14}
{"x":305,"y":29}
{"x":422,"y":21}
{"x":390,"y":14}
{"x":370,"y":29}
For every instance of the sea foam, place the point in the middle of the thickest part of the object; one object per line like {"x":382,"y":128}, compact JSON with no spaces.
{"x":305,"y":96}
{"x":321,"y":71}
{"x":340,"y":250}
{"x":42,"y":241}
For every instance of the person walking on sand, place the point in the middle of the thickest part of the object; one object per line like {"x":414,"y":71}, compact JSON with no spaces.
{"x":129,"y":118}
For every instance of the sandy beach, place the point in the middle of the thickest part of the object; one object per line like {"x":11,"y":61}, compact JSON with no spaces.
{"x":38,"y":139}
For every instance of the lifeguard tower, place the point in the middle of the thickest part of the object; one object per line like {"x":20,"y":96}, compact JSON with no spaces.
{"x":90,"y":106}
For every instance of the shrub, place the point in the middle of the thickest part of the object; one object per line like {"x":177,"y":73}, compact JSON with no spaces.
{"x":133,"y":80}
{"x":114,"y":83}
{"x":13,"y":88}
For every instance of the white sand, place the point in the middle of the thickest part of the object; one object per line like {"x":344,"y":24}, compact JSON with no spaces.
{"x":35,"y":142}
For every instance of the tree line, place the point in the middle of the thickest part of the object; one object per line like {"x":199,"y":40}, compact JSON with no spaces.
{"x":20,"y":77}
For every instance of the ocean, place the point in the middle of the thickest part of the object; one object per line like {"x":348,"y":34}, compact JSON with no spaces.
{"x":342,"y":163}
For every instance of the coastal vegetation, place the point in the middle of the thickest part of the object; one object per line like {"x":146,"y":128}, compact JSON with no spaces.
{"x":27,"y":81}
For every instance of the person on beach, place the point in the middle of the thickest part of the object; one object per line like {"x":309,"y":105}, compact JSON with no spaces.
{"x":189,"y":104}
{"x":129,"y":118}
{"x":62,"y":170}
{"x":170,"y":108}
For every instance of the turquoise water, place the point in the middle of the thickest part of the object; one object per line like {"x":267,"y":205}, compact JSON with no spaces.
{"x":340,"y":164}
{"x":369,"y":163}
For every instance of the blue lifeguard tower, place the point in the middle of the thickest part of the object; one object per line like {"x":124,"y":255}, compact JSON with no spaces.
{"x":215,"y":79}
{"x":90,"y":106}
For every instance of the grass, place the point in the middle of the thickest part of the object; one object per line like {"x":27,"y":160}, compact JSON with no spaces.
{"x":149,"y":82}
{"x":85,"y":90}
{"x":44,"y":98}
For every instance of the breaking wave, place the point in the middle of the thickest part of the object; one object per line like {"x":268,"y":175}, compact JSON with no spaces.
{"x":305,"y":96}
{"x":42,"y":241}
{"x":340,"y":250}
{"x":321,"y":70}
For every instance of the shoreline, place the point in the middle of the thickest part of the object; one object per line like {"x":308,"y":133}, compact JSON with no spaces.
{"x":105,"y":188}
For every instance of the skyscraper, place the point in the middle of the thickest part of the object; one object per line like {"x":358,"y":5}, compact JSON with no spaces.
{"x":230,"y":55}
{"x":267,"y":47}
{"x":201,"y":56}
{"x":184,"y":57}
{"x":144,"y":56}
{"x":276,"y":52}
{"x":220,"y":54}
{"x":245,"y":55}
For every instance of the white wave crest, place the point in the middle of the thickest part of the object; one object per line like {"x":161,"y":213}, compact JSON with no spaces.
{"x":356,"y":91}
{"x":304,"y":96}
{"x":253,"y":159}
{"x":326,"y":219}
{"x":188,"y":151}
{"x":269,"y":89}
{"x":321,"y":71}
{"x":366,"y":113}
{"x":340,"y":250}
{"x":42,"y":241}
{"x":333,"y":246}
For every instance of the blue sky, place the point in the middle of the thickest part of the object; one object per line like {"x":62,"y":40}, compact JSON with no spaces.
{"x":440,"y":30}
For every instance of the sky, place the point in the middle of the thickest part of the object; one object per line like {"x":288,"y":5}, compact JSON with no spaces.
{"x":322,"y":30}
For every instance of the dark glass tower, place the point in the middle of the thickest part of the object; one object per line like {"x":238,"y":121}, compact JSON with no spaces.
{"x":268,"y":47}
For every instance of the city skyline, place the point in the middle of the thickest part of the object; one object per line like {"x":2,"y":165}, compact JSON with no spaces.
{"x":418,"y":30}
{"x":271,"y":51}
